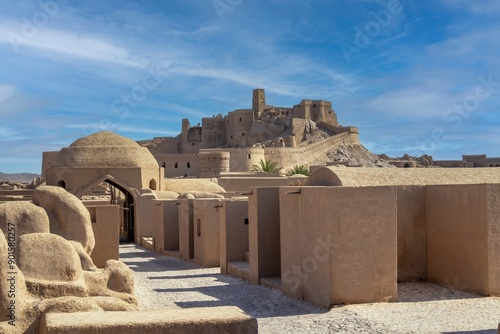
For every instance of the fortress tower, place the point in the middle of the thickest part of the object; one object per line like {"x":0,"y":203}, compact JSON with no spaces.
{"x":185,"y":129}
{"x":258,"y":102}
{"x":213,"y":163}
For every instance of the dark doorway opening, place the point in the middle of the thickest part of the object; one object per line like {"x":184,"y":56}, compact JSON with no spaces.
{"x":116,"y":194}
{"x":128,"y":207}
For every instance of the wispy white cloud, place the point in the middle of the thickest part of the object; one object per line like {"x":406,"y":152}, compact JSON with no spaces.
{"x":77,"y":45}
{"x":411,"y":103}
{"x":100,"y":49}
{"x":283,"y":79}
{"x":8,"y":134}
{"x":483,"y":7}
{"x":198,"y":33}
{"x":15,"y":103}
{"x":6,"y":92}
{"x":179,"y":109}
{"x":465,"y":45}
{"x":107,"y":125}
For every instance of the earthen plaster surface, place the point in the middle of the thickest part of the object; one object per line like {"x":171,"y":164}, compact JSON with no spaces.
{"x":343,"y":176}
{"x":423,"y":308}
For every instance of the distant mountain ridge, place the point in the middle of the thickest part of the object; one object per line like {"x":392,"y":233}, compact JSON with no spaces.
{"x":18,"y":177}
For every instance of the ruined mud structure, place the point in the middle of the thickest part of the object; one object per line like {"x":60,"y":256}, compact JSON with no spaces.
{"x":238,"y":140}
{"x":340,"y":236}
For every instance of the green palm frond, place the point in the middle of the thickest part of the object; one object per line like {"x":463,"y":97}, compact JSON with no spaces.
{"x":304,"y":170}
{"x":266,"y":167}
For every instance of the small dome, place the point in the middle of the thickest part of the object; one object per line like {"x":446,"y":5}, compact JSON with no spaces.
{"x":105,"y":138}
{"x":105,"y":150}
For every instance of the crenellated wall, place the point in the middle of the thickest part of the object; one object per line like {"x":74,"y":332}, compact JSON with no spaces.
{"x":300,"y":155}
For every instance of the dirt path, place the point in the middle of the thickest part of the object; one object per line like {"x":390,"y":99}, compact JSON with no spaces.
{"x":164,"y":282}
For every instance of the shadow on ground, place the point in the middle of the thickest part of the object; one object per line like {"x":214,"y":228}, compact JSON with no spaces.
{"x":256,"y":300}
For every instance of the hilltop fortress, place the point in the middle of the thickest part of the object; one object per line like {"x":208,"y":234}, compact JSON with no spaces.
{"x":235,"y":142}
{"x":338,"y":236}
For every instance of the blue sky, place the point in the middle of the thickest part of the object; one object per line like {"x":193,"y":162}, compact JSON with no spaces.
{"x":415,"y":76}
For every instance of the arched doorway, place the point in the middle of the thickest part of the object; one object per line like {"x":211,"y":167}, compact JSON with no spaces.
{"x":128,"y":208}
{"x":110,"y":190}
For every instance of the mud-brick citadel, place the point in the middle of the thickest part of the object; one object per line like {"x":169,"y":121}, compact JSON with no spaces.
{"x":338,"y":236}
{"x":245,"y":136}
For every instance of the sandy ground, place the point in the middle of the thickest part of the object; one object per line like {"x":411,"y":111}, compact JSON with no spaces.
{"x":164,"y":282}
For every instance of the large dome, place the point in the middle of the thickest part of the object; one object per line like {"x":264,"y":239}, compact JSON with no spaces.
{"x":105,"y":150}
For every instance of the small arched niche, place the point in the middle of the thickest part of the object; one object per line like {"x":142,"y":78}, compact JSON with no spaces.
{"x":152,"y":184}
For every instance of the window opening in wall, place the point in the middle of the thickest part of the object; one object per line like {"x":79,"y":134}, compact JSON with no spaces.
{"x":240,"y":119}
{"x":163,"y":165}
{"x":243,"y":134}
{"x":246,"y":221}
{"x":188,"y":165}
{"x":176,"y":165}
{"x":152,"y":184}
{"x":198,"y":227}
{"x":192,"y":144}
{"x":249,"y":156}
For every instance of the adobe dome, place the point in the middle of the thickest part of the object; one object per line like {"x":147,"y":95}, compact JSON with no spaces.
{"x":105,"y":150}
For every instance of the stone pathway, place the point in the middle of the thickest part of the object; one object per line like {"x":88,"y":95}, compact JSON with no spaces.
{"x":164,"y":282}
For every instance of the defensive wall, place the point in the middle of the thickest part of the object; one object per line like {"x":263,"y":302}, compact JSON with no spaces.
{"x":290,"y":156}
{"x":242,"y":159}
{"x":477,"y":160}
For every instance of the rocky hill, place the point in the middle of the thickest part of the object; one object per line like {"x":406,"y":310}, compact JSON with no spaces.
{"x":18,"y":177}
{"x":351,"y":155}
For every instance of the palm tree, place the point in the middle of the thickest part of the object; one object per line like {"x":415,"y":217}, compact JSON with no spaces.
{"x":304,"y":170}
{"x":266,"y":167}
